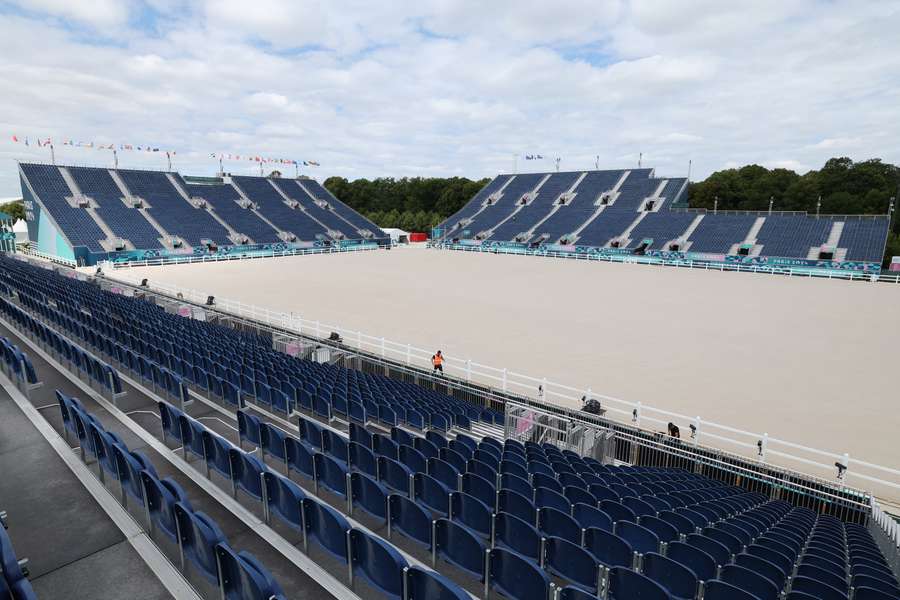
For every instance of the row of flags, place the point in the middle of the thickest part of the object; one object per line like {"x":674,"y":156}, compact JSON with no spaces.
{"x":41,"y":142}
{"x":48,"y":142}
{"x":533,"y":157}
{"x":264,"y":159}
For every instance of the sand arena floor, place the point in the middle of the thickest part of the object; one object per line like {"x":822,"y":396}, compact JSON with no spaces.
{"x":810,"y":361}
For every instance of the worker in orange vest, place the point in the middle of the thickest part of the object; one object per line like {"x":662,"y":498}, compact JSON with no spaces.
{"x":437,"y":361}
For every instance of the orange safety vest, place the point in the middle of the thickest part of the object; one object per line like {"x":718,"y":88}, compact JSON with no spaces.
{"x":437,"y":359}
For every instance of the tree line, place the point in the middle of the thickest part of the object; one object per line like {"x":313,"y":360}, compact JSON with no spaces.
{"x":841,"y":187}
{"x":409,"y":203}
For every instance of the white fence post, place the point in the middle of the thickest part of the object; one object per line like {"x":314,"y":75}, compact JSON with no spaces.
{"x":468,"y":369}
{"x":318,"y":330}
{"x":408,"y":353}
{"x":504,"y":380}
{"x":382,"y":347}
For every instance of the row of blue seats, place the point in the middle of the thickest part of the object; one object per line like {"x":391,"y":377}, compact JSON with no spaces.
{"x":14,"y":584}
{"x":718,"y":540}
{"x":83,"y":363}
{"x":18,"y":366}
{"x":406,"y":401}
{"x":367,"y":556}
{"x":168,"y":510}
{"x":382,"y":486}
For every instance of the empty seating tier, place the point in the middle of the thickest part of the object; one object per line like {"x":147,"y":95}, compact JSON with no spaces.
{"x":85,"y":228}
{"x":224,"y":201}
{"x":172,"y":211}
{"x":364,"y":477}
{"x":607,"y":205}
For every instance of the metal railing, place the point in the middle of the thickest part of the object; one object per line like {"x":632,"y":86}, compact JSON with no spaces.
{"x":803,"y":272}
{"x":205,"y":258}
{"x":52,"y":258}
{"x":492,"y":387}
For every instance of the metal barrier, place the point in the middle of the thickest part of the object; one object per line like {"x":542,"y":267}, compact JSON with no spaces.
{"x":690,"y":264}
{"x":204,"y":258}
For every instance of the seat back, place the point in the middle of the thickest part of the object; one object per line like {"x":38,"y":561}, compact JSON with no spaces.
{"x":608,"y":548}
{"x":242,"y":576}
{"x":719,"y":590}
{"x":471,"y":512}
{"x":642,"y":540}
{"x":572,"y":562}
{"x":555,"y":523}
{"x":410,"y":519}
{"x":589,"y":516}
{"x":377,"y":562}
{"x":676,"y":578}
{"x":514,"y":533}
{"x":361,"y":458}
{"x":327,"y":527}
{"x":394,"y":475}
{"x":431,"y":493}
{"x":514,"y":576}
{"x":284,"y":499}
{"x":199,"y":537}
{"x":625,"y":583}
{"x":421,"y":583}
{"x":702,"y":564}
{"x":330,"y":474}
{"x":459,"y":546}
{"x":747,"y":580}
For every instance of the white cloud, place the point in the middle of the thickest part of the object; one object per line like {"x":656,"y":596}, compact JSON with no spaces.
{"x":443,"y":87}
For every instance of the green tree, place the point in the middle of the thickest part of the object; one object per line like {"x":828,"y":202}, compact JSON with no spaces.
{"x":15,"y":209}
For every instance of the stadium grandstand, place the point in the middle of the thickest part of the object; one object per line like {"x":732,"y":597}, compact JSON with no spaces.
{"x":633,"y":212}
{"x":84,"y":215}
{"x":244,"y":461}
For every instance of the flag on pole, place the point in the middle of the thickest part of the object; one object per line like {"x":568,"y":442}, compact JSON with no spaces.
{"x":15,"y":139}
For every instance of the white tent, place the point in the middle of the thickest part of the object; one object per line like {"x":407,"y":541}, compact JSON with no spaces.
{"x":398,"y":236}
{"x":20,"y":228}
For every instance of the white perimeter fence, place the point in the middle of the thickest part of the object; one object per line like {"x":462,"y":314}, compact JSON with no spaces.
{"x":880,"y":480}
{"x":806,"y":272}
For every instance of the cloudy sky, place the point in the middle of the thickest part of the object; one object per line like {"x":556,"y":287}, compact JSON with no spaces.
{"x":442,"y":87}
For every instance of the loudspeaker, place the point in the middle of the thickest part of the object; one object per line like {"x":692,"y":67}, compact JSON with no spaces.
{"x":143,"y":283}
{"x":210,"y":300}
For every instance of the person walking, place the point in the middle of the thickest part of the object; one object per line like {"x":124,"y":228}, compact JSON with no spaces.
{"x":437,"y":361}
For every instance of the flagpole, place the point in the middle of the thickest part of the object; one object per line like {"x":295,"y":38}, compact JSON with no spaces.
{"x":52,"y":155}
{"x":169,"y":160}
{"x":296,"y":170}
{"x":115,"y":158}
{"x":221,"y":168}
{"x":597,"y":163}
{"x":640,"y":159}
{"x":689,"y":170}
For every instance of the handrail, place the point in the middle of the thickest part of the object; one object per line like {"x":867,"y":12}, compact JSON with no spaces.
{"x":805,"y":272}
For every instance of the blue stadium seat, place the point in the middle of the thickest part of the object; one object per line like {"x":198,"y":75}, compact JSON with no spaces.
{"x":572,"y":562}
{"x":719,"y":590}
{"x":458,"y":545}
{"x":518,"y":535}
{"x":589,"y":516}
{"x":199,"y":536}
{"x":368,"y":494}
{"x":160,"y":497}
{"x":702,"y":564}
{"x":471,"y":512}
{"x":749,"y":581}
{"x":246,"y":473}
{"x":284,"y":499}
{"x":410,"y":519}
{"x":625,"y":584}
{"x":608,"y":548}
{"x":327,"y":527}
{"x":678,"y":580}
{"x":817,"y":589}
{"x":516,"y":577}
{"x":242,"y":577}
{"x":422,"y":584}
{"x":376,"y":562}
{"x":641,"y":539}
